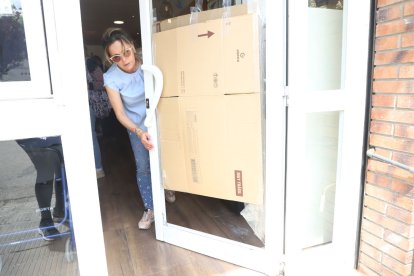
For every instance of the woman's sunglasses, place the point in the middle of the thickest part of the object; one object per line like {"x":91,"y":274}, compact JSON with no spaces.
{"x":117,"y":58}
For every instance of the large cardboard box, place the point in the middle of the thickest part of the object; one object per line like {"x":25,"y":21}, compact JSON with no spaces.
{"x":212,"y":146}
{"x":215,"y":57}
{"x":203,"y":16}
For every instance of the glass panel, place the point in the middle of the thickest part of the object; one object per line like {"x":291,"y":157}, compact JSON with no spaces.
{"x":321,"y":172}
{"x":211,"y":115}
{"x":325,"y":19}
{"x":35,"y":224}
{"x":14,"y":65}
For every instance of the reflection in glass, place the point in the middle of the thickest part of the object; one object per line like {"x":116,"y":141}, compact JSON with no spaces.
{"x":14,"y":65}
{"x":322,"y":132}
{"x":238,"y":221}
{"x":325,"y":45}
{"x":35,"y":223}
{"x":326,"y":4}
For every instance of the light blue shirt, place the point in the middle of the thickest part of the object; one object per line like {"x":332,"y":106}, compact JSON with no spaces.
{"x":131,"y":88}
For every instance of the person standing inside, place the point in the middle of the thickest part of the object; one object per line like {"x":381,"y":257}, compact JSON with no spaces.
{"x":99,"y":106}
{"x":46,"y":155}
{"x":124,"y":83}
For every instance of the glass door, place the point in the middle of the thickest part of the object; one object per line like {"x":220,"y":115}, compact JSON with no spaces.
{"x":327,"y":69}
{"x":219,"y":126}
{"x":45,"y":129}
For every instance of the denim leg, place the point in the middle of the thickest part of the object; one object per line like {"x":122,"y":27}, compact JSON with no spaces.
{"x":96,"y":148}
{"x":143,"y":171}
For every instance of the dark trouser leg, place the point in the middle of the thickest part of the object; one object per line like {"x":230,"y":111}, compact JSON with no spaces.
{"x":43,"y":193}
{"x":59,"y":210}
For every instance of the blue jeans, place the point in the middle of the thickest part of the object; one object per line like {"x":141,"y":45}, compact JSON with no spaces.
{"x":96,"y":148}
{"x":143,"y":170}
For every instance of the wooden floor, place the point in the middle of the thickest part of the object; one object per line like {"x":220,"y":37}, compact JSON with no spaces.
{"x":131,"y":251}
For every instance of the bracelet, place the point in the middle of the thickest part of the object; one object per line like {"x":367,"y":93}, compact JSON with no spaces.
{"x":138,"y":132}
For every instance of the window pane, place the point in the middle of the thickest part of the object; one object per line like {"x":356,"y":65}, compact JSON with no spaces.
{"x":322,"y":131}
{"x":325,"y":44}
{"x":14,"y":65}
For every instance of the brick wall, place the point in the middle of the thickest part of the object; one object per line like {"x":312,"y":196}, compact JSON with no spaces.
{"x":387,"y":233}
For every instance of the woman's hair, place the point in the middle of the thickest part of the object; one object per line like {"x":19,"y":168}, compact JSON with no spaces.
{"x":115,"y":34}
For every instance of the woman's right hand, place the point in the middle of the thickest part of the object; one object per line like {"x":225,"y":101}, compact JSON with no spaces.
{"x":146,"y":141}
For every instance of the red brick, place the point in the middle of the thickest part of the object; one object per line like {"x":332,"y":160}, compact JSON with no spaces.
{"x":371,"y":239}
{"x":382,"y":127}
{"x":409,"y":8}
{"x":407,"y":40}
{"x":391,"y":197}
{"x":389,"y":13}
{"x":376,"y":248}
{"x":366,"y":271}
{"x":405,"y":102}
{"x":404,"y":56}
{"x":373,"y":215}
{"x":373,"y":252}
{"x":392,"y":143}
{"x":406,"y":71}
{"x":385,"y":72}
{"x":383,"y":101}
{"x":388,"y":272}
{"x":384,"y":152}
{"x":371,"y":264}
{"x":375,"y":204}
{"x":373,"y":228}
{"x":393,"y":86}
{"x":387,"y":43}
{"x":378,"y":180}
{"x":401,"y":187}
{"x":404,"y":131}
{"x":397,"y":226}
{"x":392,"y":115}
{"x":384,"y":168}
{"x":393,"y":264}
{"x":400,"y":255}
{"x":387,"y":182}
{"x":398,"y":240}
{"x":394,"y":27}
{"x":400,"y":214}
{"x":383,"y":3}
{"x":404,"y":158}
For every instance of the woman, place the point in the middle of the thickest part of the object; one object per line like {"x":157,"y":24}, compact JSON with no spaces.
{"x":124,"y":82}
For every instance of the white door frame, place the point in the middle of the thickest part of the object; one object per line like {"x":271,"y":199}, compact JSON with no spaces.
{"x":261,"y":259}
{"x":65,"y":113}
{"x":349,"y":100}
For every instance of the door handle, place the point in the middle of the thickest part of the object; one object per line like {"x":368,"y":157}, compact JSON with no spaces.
{"x":159,"y":84}
{"x":371,"y":153}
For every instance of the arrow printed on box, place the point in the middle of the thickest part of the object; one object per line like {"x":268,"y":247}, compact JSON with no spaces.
{"x":208,"y":34}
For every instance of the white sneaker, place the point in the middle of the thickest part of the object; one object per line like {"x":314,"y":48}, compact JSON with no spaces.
{"x":100,"y":173}
{"x":146,"y":220}
{"x":169,"y":196}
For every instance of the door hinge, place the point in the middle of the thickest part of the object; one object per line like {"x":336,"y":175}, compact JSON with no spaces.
{"x":285,"y":100}
{"x":286,"y":97}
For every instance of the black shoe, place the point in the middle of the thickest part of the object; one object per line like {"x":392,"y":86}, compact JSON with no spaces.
{"x":49,"y":233}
